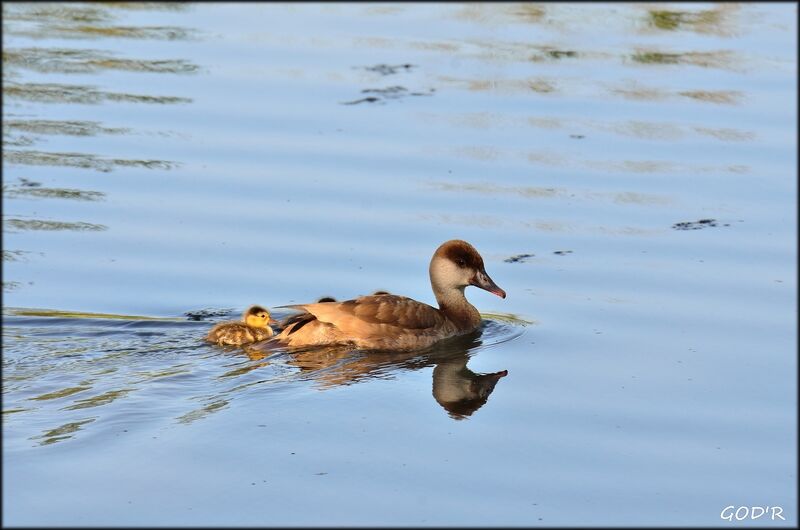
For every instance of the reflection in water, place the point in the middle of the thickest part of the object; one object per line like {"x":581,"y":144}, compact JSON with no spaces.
{"x":64,"y":392}
{"x":725,"y":60}
{"x":40,"y":224}
{"x":637,"y":92}
{"x":502,"y":13}
{"x":15,"y":255}
{"x":84,"y":94}
{"x":94,"y":21}
{"x":717,"y":20}
{"x":69,"y":128}
{"x":63,"y":432}
{"x":386,"y":69}
{"x":58,"y":363}
{"x":533,"y":84}
{"x":77,"y":61}
{"x":202,"y":412}
{"x":646,"y":130}
{"x":80,"y":160}
{"x":82,"y":21}
{"x":535,"y":192}
{"x":27,"y":188}
{"x":459,"y":390}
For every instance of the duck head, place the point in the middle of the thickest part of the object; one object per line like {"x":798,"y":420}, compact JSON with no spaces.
{"x":257,"y":317}
{"x":456,"y":264}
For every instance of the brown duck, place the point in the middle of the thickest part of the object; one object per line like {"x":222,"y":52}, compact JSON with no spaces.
{"x":387,"y":321}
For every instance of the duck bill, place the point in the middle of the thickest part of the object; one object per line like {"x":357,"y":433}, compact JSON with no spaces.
{"x":483,"y":281}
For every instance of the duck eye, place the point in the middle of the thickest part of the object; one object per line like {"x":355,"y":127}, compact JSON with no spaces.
{"x":460,"y":262}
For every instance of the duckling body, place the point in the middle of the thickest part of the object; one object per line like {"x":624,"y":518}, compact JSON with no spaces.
{"x":254,"y":327}
{"x":392,"y":322}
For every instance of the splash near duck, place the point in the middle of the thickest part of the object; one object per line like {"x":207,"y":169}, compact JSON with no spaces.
{"x":390,"y":322}
{"x":254,"y":327}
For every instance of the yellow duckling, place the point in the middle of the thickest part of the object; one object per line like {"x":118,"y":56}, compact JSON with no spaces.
{"x":253,"y":328}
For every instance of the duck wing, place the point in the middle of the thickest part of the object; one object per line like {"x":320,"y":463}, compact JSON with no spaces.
{"x":376,"y":315}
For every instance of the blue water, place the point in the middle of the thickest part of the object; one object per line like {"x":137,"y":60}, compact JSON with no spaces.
{"x":628,"y":173}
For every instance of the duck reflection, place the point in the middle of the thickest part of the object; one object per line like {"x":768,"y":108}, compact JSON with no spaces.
{"x":456,"y":388}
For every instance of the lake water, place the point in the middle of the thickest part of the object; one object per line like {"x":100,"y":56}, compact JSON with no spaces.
{"x":627,"y":171}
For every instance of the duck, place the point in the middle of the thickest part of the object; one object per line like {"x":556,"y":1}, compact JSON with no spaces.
{"x":254,"y":327}
{"x":325,"y":299}
{"x":392,"y":322}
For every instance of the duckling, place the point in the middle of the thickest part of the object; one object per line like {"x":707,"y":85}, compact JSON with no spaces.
{"x":253,"y":328}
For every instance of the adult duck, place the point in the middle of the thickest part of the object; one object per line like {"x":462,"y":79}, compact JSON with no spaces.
{"x":391,"y":322}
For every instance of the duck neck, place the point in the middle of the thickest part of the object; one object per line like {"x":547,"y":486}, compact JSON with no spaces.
{"x":457,"y":309}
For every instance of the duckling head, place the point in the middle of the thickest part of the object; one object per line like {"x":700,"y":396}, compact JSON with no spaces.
{"x":456,"y":264}
{"x":257,"y":317}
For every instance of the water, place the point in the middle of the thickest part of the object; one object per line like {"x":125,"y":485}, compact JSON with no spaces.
{"x":628,"y":173}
